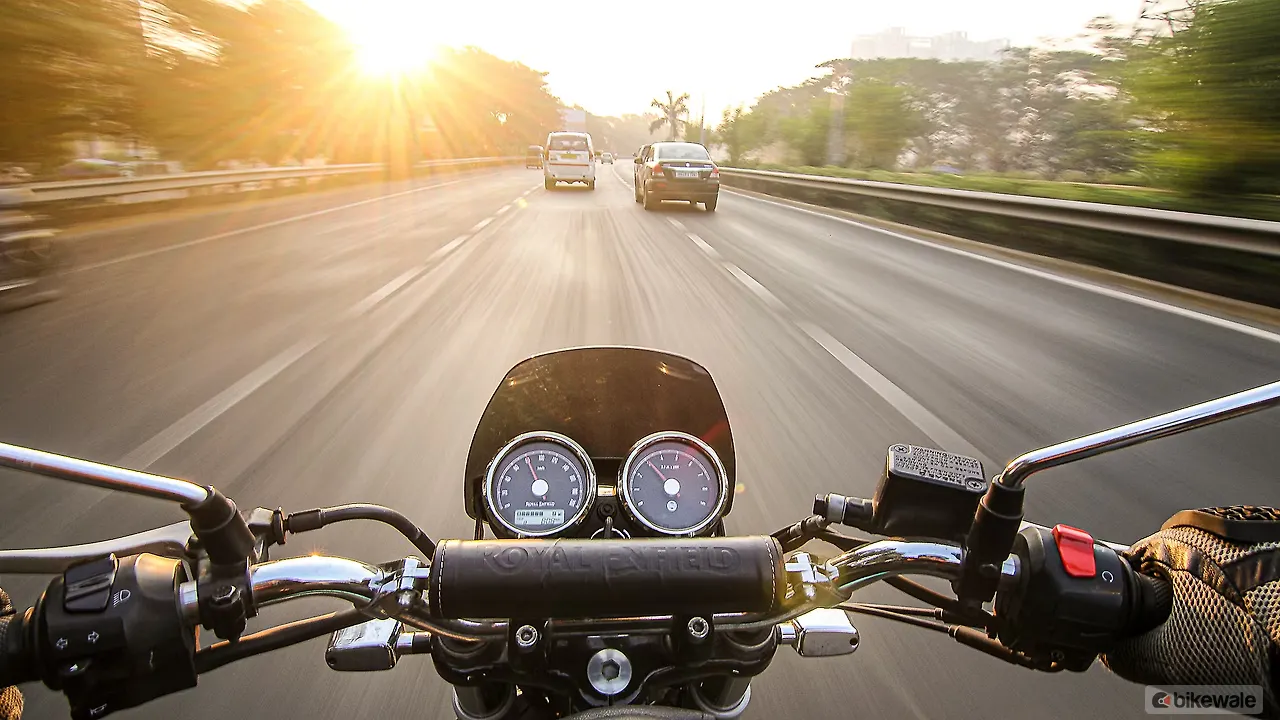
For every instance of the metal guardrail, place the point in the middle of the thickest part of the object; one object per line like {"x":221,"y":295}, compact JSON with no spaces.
{"x":1258,"y":237}
{"x":101,"y":188}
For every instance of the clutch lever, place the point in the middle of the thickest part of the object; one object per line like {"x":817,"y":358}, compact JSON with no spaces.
{"x":175,"y":540}
{"x":168,"y":541}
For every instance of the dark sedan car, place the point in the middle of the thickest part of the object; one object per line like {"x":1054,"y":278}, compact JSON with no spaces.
{"x":676,"y":171}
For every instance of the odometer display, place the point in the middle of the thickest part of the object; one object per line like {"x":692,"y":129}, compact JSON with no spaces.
{"x":539,"y":484}
{"x":534,"y":518}
{"x":674,"y":484}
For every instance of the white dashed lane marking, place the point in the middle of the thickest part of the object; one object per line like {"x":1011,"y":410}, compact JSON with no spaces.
{"x":920,"y":416}
{"x":179,"y":432}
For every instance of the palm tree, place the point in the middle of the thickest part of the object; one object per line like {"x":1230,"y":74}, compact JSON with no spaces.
{"x":672,"y":112}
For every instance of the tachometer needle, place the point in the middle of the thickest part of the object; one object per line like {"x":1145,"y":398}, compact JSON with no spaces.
{"x":670,"y":486}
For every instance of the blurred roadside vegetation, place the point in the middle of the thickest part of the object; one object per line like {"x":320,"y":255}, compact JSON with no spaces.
{"x":207,"y":81}
{"x":1125,"y":189}
{"x":1180,"y":110}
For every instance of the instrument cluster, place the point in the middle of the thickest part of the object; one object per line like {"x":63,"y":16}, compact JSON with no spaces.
{"x":544,"y":484}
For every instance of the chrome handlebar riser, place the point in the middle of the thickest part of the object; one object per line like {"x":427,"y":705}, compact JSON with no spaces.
{"x":886,"y":558}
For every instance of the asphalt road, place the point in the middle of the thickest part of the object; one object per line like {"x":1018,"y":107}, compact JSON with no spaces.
{"x":338,"y":347}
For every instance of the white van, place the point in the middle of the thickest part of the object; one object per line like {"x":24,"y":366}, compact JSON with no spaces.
{"x":570,"y":158}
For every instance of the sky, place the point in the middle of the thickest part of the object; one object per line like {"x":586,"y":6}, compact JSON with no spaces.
{"x":612,"y":57}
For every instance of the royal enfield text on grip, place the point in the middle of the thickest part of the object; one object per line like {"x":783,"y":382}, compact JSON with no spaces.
{"x":558,"y":558}
{"x":563,"y":578}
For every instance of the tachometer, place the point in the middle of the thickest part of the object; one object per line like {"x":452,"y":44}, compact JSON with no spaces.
{"x":673,"y":483}
{"x":539,"y":484}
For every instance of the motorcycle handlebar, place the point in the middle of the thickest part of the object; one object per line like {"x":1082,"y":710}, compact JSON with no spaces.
{"x":641,"y":584}
{"x":739,"y":583}
{"x":741,"y":579}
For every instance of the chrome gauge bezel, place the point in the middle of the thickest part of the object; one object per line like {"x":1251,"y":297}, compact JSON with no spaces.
{"x":566,"y":443}
{"x":633,"y":456}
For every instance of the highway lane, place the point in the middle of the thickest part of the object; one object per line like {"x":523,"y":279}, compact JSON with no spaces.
{"x":166,"y":319}
{"x":1010,"y":361}
{"x":346,"y":357}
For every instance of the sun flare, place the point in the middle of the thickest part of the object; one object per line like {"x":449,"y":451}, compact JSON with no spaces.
{"x":391,"y":50}
{"x":391,"y":37}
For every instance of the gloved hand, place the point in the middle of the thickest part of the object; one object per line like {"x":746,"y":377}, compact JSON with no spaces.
{"x":1223,"y":565}
{"x":10,"y":698}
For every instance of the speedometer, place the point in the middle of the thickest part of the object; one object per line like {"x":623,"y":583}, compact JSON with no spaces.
{"x":539,"y":484}
{"x":673,"y":483}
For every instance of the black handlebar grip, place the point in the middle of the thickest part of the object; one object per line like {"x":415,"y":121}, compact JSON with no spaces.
{"x":17,"y":661}
{"x":1152,"y":603}
{"x":553,"y":579}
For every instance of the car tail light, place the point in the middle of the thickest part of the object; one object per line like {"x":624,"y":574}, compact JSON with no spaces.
{"x":715,"y":172}
{"x":656,"y":168}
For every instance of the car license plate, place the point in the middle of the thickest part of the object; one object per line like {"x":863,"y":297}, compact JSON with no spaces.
{"x":568,"y":156}
{"x":686,"y":174}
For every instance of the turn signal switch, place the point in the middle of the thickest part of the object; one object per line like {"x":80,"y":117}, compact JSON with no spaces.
{"x":825,"y":632}
{"x":109,"y":634}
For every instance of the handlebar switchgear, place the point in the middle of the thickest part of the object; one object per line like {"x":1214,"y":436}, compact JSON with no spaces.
{"x":1077,"y":598}
{"x":109,"y":634}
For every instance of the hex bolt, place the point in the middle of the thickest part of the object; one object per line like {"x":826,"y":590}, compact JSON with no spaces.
{"x":526,"y":636}
{"x":225,"y":595}
{"x":698,"y":628}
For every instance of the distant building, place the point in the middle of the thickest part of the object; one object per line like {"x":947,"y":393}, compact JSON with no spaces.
{"x":896,"y":43}
{"x":573,"y":120}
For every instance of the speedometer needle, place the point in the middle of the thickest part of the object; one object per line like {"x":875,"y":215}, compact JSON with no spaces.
{"x":537,"y":481}
{"x":655,"y":469}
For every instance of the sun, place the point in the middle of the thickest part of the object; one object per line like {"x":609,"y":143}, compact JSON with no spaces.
{"x":391,"y":49}
{"x":381,"y":56}
{"x":391,"y":37}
